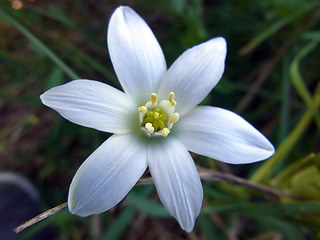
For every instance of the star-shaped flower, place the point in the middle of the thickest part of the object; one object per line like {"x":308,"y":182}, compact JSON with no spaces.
{"x":155,"y":122}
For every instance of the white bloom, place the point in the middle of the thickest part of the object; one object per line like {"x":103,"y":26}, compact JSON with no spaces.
{"x":155,"y":122}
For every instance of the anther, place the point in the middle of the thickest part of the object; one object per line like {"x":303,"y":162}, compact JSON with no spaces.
{"x":153,"y":99}
{"x":143,"y":109}
{"x":171,"y":99}
{"x":174,"y":118}
{"x":149,"y":128}
{"x":156,"y":119}
{"x":165,"y":132}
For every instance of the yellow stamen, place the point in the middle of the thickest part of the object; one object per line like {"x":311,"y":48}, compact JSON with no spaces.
{"x":171,"y":99}
{"x":153,"y":99}
{"x":143,"y":109}
{"x":149,"y":128}
{"x":165,"y":132}
{"x":157,"y":119}
{"x":174,"y":118}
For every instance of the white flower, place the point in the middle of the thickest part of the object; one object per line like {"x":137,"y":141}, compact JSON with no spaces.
{"x":155,"y":122}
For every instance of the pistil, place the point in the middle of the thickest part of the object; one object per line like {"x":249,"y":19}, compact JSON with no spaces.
{"x":157,"y":119}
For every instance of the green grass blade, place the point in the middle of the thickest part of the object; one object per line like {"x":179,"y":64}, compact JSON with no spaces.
{"x":281,"y":179}
{"x":207,"y":227}
{"x":285,"y":103}
{"x":125,"y":218}
{"x":297,"y":79}
{"x":276,"y":27}
{"x":290,"y":231}
{"x":265,"y":209}
{"x":117,"y":227}
{"x":265,"y":171}
{"x":33,"y":39}
{"x":147,"y":206}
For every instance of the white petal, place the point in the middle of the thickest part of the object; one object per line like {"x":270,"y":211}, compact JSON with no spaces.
{"x":222,"y":135}
{"x":107,"y":175}
{"x":135,"y":53}
{"x":91,"y":104}
{"x":177,"y":180}
{"x":193,"y":75}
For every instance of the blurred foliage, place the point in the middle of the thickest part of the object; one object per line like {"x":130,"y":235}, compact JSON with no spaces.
{"x":271,"y":79}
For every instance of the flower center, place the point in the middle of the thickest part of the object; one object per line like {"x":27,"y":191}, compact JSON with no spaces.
{"x":157,"y":119}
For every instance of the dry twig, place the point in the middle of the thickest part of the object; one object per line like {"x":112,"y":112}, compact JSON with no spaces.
{"x":40,"y":217}
{"x":205,"y":174}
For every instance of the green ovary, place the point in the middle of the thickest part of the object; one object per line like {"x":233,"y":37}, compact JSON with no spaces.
{"x":156,"y":117}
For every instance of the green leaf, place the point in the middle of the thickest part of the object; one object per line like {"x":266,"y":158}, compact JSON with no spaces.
{"x":55,"y":78}
{"x":285,"y":176}
{"x":267,"y":209}
{"x":118,"y":226}
{"x":297,"y":79}
{"x":147,"y":206}
{"x":32,"y":38}
{"x":290,"y":231}
{"x":178,"y":5}
{"x":265,"y":171}
{"x":125,"y":218}
{"x":207,"y":227}
{"x":277,"y":26}
{"x":212,"y":192}
{"x":58,"y":14}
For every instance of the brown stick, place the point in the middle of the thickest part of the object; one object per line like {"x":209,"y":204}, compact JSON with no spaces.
{"x":205,"y":174}
{"x":40,"y":217}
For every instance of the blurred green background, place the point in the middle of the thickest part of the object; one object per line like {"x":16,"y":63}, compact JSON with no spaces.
{"x":271,"y":79}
